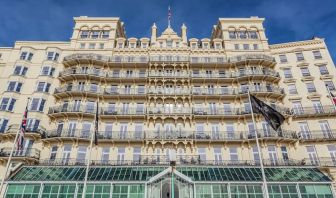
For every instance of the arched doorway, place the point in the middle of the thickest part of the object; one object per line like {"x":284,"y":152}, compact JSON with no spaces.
{"x":166,"y":191}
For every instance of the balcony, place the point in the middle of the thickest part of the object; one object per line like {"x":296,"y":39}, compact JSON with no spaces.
{"x":102,"y":135}
{"x":25,"y":154}
{"x":208,"y":60}
{"x":70,"y":109}
{"x":161,"y":111}
{"x":318,"y":135}
{"x":172,"y":92}
{"x":11,"y":130}
{"x":99,"y":74}
{"x":303,"y":112}
{"x":97,"y":59}
{"x":169,"y":58}
{"x":121,"y":111}
{"x":235,"y":92}
{"x":182,"y":159}
{"x":253,"y":58}
{"x":155,"y":74}
{"x":265,"y":74}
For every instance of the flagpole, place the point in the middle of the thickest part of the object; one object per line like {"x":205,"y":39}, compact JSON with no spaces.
{"x":169,"y":16}
{"x":265,"y":191}
{"x":89,"y":157}
{"x":12,"y":151}
{"x":331,"y":98}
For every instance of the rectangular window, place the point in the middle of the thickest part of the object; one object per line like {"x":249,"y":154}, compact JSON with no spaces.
{"x":123,"y":133}
{"x":236,"y":46}
{"x":101,"y":45}
{"x":108,"y":130}
{"x":311,"y":87}
{"x":66,"y":154}
{"x":230,"y":130}
{"x":317,"y":106}
{"x":299,"y":56}
{"x":53,"y":153}
{"x":292,"y":89}
{"x":304,"y":130}
{"x":43,"y":87}
{"x":86,"y":130}
{"x":317,"y":54}
{"x":253,"y":35}
{"x":20,"y":70}
{"x":37,"y":104}
{"x":312,"y":155}
{"x":95,"y":34}
{"x":121,"y":155}
{"x":92,"y":45}
{"x":297,"y":108}
{"x":330,"y":85}
{"x":233,"y":154}
{"x":105,"y":34}
{"x":305,"y":71}
{"x":246,"y":46}
{"x":14,"y":86}
{"x":255,"y":46}
{"x":325,"y":128}
{"x":82,"y":45}
{"x":53,"y":56}
{"x":105,"y":155}
{"x":136,"y":154}
{"x":202,"y":154}
{"x":218,"y":155}
{"x":33,"y":124}
{"x":272,"y":153}
{"x":255,"y":154}
{"x":332,"y":152}
{"x":84,"y":34}
{"x":284,"y":153}
{"x":47,"y":71}
{"x":3,"y":125}
{"x":138,"y":131}
{"x":7,"y":104}
{"x":26,"y":56}
{"x":288,"y":73}
{"x":283,"y":58}
{"x":323,"y":70}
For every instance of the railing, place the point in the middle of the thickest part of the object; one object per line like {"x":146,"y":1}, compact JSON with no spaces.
{"x":321,"y":110}
{"x":167,"y":74}
{"x":235,"y":91}
{"x":181,"y":159}
{"x":165,"y":91}
{"x":15,"y":127}
{"x":100,"y":90}
{"x":317,"y":134}
{"x":101,"y":73}
{"x":170,"y":111}
{"x":122,"y":111}
{"x":238,"y":74}
{"x":170,"y":135}
{"x":167,"y":58}
{"x":30,"y":153}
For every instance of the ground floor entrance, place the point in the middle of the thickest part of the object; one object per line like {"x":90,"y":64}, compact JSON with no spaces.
{"x":167,"y":182}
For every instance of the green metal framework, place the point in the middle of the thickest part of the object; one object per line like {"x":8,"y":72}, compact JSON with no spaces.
{"x":143,"y":174}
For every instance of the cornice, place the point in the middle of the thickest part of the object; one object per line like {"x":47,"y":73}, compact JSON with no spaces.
{"x":297,"y":44}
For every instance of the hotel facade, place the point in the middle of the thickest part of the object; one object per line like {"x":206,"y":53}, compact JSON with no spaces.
{"x":162,"y":98}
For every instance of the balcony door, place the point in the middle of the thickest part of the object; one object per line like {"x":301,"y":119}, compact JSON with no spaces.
{"x":86,"y":127}
{"x":312,"y":155}
{"x":325,"y":128}
{"x":304,"y":130}
{"x":123,"y":131}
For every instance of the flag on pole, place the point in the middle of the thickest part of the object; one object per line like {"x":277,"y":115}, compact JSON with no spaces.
{"x":96,"y":125}
{"x":333,"y":98}
{"x":169,"y":16}
{"x":23,"y":129}
{"x":272,"y":116}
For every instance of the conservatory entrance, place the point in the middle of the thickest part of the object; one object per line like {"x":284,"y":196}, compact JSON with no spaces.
{"x":170,"y":184}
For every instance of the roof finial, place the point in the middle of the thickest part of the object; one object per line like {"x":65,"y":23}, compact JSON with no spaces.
{"x":169,"y":16}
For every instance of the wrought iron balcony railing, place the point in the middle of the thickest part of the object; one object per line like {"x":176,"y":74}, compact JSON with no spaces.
{"x":175,"y":74}
{"x":101,"y":73}
{"x":313,"y":111}
{"x":317,"y":134}
{"x":235,"y":91}
{"x":182,"y":159}
{"x":164,"y":91}
{"x":238,"y":74}
{"x":25,"y":153}
{"x":100,"y":90}
{"x":13,"y":128}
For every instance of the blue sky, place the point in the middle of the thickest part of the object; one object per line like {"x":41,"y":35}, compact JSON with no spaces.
{"x":286,"y":20}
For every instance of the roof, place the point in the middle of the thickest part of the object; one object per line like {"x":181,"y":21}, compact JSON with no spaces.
{"x":144,"y":173}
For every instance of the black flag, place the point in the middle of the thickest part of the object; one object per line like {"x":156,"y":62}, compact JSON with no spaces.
{"x":272,"y":116}
{"x":96,"y":126}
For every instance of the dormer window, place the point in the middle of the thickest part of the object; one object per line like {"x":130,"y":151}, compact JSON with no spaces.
{"x":177,"y":44}
{"x":132,"y":45}
{"x":95,"y":34}
{"x":120,"y":45}
{"x":84,"y":34}
{"x":206,"y":45}
{"x":161,"y":44}
{"x":193,"y":45}
{"x":232,"y":35}
{"x":253,"y":35}
{"x":53,"y":56}
{"x":144,"y":45}
{"x":218,"y":46}
{"x":105,"y":34}
{"x":242,"y":35}
{"x":169,"y":44}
